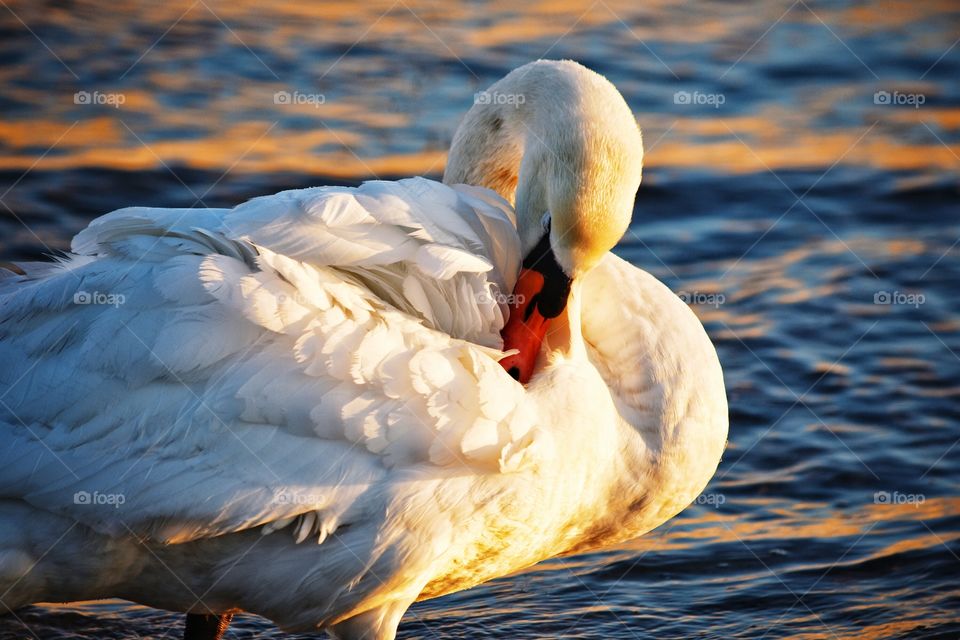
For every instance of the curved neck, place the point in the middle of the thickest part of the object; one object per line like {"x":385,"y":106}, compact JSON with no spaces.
{"x":500,"y":145}
{"x":554,"y":137}
{"x":565,"y":337}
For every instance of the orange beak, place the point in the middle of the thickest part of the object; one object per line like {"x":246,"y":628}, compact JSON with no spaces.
{"x":526,"y":326}
{"x":539,"y":296}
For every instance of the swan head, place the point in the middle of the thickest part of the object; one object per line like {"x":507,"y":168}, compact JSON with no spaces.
{"x":559,"y":142}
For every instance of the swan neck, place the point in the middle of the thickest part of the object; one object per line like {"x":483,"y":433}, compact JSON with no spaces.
{"x":554,"y":137}
{"x":490,"y":144}
{"x":565,"y":336}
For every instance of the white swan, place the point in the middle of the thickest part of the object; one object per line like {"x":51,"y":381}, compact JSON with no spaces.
{"x":322,"y":366}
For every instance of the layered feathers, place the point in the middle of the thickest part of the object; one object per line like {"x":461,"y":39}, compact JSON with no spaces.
{"x":355,"y":331}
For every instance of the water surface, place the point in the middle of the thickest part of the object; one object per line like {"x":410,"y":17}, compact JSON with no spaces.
{"x":812,"y":225}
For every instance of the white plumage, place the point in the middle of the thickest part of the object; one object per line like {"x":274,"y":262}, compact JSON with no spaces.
{"x":295,"y":408}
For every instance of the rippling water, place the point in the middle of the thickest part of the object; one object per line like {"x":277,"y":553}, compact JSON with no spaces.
{"x":812,"y":223}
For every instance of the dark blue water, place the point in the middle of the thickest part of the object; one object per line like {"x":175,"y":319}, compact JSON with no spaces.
{"x":812,"y":222}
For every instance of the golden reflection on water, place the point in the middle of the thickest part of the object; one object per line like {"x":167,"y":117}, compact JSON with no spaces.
{"x":366,"y":125}
{"x":399,"y":122}
{"x":261,"y":146}
{"x":799,"y":520}
{"x":808,"y":520}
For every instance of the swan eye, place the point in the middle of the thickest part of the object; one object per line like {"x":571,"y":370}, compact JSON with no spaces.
{"x":545,"y":221}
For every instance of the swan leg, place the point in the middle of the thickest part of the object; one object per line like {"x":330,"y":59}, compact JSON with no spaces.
{"x":206,"y":627}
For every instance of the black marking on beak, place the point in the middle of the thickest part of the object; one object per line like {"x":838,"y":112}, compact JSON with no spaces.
{"x":552,"y":299}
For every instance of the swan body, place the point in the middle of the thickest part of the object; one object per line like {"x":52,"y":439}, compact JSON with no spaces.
{"x":295,"y":407}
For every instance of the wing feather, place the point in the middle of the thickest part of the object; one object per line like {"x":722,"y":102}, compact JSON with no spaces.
{"x":277,"y":361}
